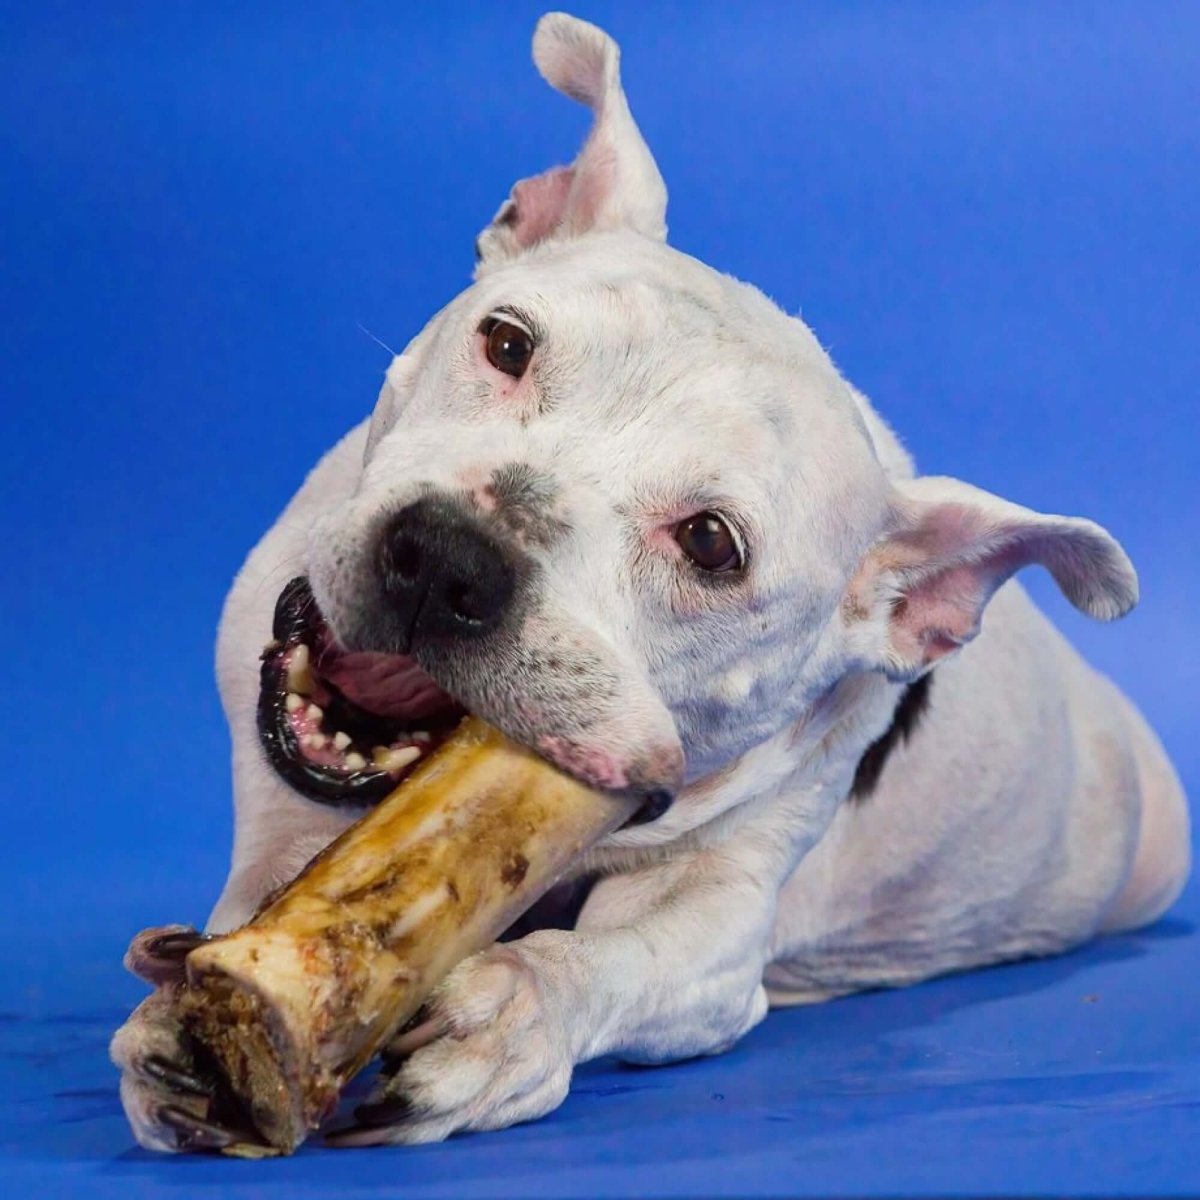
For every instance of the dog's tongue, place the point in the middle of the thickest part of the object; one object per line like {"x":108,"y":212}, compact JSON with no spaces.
{"x":391,"y":685}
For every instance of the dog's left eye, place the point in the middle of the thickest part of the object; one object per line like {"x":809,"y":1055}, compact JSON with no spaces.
{"x":508,"y":347}
{"x":709,"y":542}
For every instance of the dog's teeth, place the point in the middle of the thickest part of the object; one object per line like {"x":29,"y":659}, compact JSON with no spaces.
{"x":315,"y":713}
{"x":293,"y":702}
{"x":315,"y":741}
{"x":355,"y":761}
{"x":394,"y":760}
{"x":390,"y":760}
{"x":421,"y":736}
{"x":341,"y":739}
{"x":299,"y":672}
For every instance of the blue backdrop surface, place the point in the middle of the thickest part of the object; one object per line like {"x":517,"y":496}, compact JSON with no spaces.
{"x":986,"y":211}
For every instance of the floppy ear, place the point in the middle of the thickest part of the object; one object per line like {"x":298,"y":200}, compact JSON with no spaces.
{"x":613,"y":183}
{"x":920,"y":592}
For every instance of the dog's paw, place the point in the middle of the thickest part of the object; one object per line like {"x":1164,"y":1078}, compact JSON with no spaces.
{"x":487,"y":1051}
{"x":174,"y":1102}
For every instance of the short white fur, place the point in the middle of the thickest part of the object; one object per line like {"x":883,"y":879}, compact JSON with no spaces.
{"x":1032,"y":809}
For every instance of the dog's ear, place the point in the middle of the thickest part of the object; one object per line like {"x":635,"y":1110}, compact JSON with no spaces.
{"x":920,"y":592}
{"x":613,"y":183}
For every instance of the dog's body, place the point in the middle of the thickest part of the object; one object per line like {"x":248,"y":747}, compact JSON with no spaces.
{"x":1028,"y":808}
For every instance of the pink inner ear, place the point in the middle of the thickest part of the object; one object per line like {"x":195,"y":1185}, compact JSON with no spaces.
{"x":938,"y":614}
{"x":539,"y":205}
{"x":941,"y":566}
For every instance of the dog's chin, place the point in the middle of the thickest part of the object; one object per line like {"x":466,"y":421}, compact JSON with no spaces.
{"x":341,"y":727}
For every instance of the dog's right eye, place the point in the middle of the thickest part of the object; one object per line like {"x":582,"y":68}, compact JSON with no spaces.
{"x":509,"y":348}
{"x":709,"y":542}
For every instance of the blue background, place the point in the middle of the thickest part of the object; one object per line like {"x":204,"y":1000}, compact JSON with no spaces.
{"x":986,"y":211}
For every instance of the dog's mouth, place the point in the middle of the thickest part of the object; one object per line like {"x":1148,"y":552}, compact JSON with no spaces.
{"x":343,"y":727}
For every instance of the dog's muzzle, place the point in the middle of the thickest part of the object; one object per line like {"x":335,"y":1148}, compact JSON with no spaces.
{"x":345,"y":727}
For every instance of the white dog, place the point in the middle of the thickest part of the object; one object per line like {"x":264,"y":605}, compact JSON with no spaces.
{"x":628,"y":511}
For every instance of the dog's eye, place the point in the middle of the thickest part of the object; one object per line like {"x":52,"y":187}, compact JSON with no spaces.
{"x":708,"y":542}
{"x":509,"y":347}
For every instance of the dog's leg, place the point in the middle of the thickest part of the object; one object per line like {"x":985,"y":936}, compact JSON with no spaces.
{"x":666,"y":963}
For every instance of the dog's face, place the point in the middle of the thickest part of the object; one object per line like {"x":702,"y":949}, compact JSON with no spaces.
{"x":675,"y":476}
{"x":624,"y":508}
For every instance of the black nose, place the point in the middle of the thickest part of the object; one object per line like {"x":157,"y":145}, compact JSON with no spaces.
{"x":443,"y":576}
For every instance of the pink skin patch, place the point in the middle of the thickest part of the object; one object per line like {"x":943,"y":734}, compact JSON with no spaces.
{"x":662,"y":539}
{"x":593,"y":765}
{"x":304,"y":727}
{"x":540,"y":204}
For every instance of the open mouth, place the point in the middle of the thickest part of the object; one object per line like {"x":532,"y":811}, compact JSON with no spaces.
{"x":343,"y":727}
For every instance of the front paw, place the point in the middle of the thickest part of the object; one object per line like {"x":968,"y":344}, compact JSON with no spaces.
{"x":488,"y":1050}
{"x":173,"y":1099}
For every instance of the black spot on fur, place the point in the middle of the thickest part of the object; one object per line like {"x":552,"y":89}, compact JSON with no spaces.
{"x":907,"y":717}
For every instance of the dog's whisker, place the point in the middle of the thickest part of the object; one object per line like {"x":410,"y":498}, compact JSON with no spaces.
{"x":378,"y":341}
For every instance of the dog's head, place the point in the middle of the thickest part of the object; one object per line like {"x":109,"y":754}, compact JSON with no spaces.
{"x":627,"y":510}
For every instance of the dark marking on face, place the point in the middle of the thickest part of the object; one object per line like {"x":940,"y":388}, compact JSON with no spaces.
{"x":523,"y":500}
{"x":514,"y":871}
{"x":912,"y":707}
